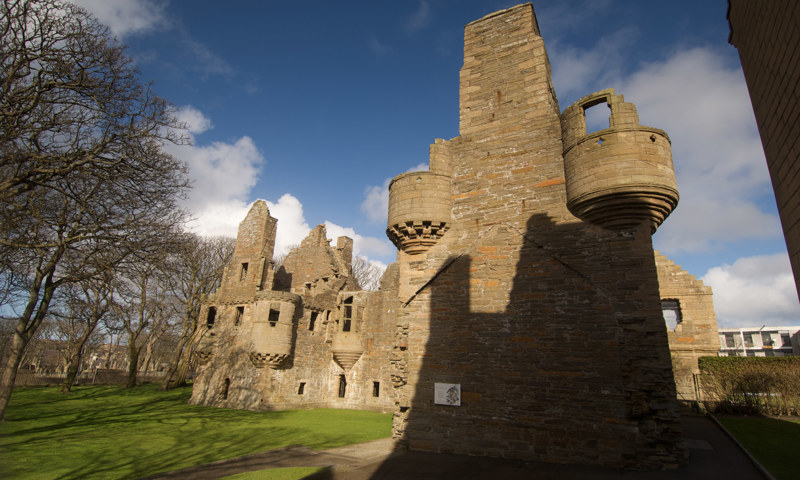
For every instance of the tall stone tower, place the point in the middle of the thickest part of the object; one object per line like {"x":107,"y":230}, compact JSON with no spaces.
{"x":524,"y":331}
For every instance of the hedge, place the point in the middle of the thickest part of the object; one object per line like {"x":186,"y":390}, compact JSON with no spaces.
{"x":767,"y":385}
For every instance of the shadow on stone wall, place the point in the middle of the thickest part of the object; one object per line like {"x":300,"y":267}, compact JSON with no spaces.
{"x":552,"y":376}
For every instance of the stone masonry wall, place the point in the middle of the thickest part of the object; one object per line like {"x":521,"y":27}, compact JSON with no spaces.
{"x":696,"y":334}
{"x":550,"y":327}
{"x":767,"y":35}
{"x":275,"y":348}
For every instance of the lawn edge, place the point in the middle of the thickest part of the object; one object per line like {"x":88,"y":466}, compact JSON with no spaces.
{"x":742,"y":448}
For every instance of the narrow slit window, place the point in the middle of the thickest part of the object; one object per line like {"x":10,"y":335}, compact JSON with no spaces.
{"x":239,"y":315}
{"x":376,"y":389}
{"x":243,"y":273}
{"x":211,"y":317}
{"x":342,"y":386}
{"x":302,"y":388}
{"x":312,"y":321}
{"x":225,"y":388}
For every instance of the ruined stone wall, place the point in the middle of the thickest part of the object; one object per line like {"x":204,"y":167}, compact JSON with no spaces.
{"x":550,"y":327}
{"x":277,"y":348}
{"x":695,"y":334}
{"x":766,"y":34}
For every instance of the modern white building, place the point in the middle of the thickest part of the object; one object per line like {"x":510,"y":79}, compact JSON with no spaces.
{"x":762,"y":341}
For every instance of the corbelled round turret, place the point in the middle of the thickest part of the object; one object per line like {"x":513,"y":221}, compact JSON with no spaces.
{"x":621,"y":176}
{"x":419,"y":210}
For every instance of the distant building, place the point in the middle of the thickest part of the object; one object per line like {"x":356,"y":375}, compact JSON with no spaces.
{"x":760,"y":341}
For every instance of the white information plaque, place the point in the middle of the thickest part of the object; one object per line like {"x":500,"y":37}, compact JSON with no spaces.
{"x":447,"y":394}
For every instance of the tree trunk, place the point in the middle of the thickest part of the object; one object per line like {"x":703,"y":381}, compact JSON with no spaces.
{"x":72,"y":372}
{"x":133,"y":364}
{"x":178,"y":368}
{"x":9,"y":374}
{"x":27,"y":325}
{"x":75,"y":357}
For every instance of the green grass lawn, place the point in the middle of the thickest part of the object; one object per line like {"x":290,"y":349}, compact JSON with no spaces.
{"x":775,"y":443}
{"x":100,"y":432}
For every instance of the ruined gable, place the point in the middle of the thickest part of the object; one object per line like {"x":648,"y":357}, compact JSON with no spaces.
{"x":688,"y":308}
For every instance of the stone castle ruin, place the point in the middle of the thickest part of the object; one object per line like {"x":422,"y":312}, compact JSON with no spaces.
{"x":523,"y":317}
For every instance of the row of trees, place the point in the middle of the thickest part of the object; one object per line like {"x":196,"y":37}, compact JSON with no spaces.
{"x":90,"y":225}
{"x":92,"y":234}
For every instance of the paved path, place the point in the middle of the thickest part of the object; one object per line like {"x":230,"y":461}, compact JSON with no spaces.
{"x":712,"y":454}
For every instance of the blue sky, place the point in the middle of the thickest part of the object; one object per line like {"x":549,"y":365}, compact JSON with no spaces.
{"x":315,"y":105}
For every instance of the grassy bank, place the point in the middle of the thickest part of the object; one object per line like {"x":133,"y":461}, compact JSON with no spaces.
{"x":774,"y":442}
{"x":110,"y":432}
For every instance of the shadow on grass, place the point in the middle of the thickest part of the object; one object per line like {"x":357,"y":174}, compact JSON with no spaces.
{"x":112,"y":432}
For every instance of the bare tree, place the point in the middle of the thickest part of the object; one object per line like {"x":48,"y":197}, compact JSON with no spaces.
{"x":86,"y":303}
{"x":367,"y":274}
{"x":198,"y":269}
{"x":84,"y":180}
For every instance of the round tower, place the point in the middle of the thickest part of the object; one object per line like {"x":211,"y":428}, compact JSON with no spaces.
{"x":621,"y":176}
{"x":273,"y":328}
{"x":419,"y":210}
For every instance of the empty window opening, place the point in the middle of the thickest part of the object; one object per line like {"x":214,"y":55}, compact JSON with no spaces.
{"x":671,"y":309}
{"x":748,"y":340}
{"x":274,"y":315}
{"x":786,"y":340}
{"x":347,"y":315}
{"x":243,"y":274}
{"x":766,"y":339}
{"x":302,"y":388}
{"x":598,"y":116}
{"x":239,"y":314}
{"x":212,"y":317}
{"x":225,"y":388}
{"x":312,"y":321}
{"x":730,"y":340}
{"x":342,"y":386}
{"x":376,"y":389}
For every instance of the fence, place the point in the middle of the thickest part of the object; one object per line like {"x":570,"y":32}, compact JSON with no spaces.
{"x":27,"y":378}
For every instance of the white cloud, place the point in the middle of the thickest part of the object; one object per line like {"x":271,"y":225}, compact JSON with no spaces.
{"x":292,"y":226}
{"x":194,"y":119}
{"x":578,"y":72}
{"x":362,"y":246}
{"x":376,"y":198}
{"x":722,"y":176}
{"x":378,"y":48}
{"x":376,"y":202}
{"x":420,"y":19}
{"x":222,"y":176}
{"x":126,"y":17}
{"x":755,"y":291}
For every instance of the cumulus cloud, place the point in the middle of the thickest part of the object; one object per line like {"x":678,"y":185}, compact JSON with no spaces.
{"x":362,"y":246}
{"x":722,"y":176}
{"x":376,"y":197}
{"x":578,"y":72}
{"x":127,"y":17}
{"x":292,"y":226}
{"x":222,"y":176}
{"x":196,"y":123}
{"x":754,"y":291}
